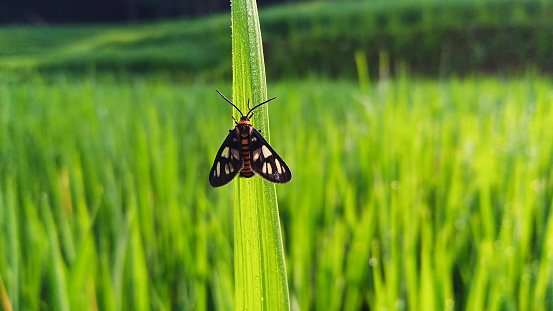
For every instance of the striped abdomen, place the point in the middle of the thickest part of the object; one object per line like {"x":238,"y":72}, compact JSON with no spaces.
{"x":247,"y":169}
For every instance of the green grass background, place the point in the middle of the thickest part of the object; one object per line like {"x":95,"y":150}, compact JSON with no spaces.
{"x":412,"y":194}
{"x":408,"y":193}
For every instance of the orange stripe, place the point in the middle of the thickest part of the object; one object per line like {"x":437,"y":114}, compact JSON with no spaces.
{"x":246,"y":170}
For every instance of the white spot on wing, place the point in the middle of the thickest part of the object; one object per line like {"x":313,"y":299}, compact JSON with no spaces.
{"x":256,"y":154}
{"x":227,"y":169}
{"x":264,"y":169}
{"x":225,"y":153}
{"x":235,"y":153}
{"x":269,"y":168}
{"x":278,"y":166}
{"x":266,"y":152}
{"x":218,"y":168}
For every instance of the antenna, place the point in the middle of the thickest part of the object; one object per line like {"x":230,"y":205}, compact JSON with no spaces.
{"x":249,"y":112}
{"x":223,"y":96}
{"x":268,"y":100}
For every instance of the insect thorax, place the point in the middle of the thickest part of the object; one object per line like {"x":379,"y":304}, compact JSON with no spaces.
{"x":244,"y":128}
{"x":244,"y":120}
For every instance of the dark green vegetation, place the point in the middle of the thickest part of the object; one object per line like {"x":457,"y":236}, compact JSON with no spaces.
{"x":428,"y":38}
{"x":408,"y":195}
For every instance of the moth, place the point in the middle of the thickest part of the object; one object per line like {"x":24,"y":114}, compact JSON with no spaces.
{"x":246,"y":152}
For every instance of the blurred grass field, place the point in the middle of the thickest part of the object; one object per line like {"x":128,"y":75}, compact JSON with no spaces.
{"x":410,"y":194}
{"x":407,"y":194}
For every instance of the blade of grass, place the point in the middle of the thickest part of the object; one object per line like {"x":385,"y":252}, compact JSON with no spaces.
{"x":260,"y":272}
{"x":57,"y":269}
{"x":8,"y":213}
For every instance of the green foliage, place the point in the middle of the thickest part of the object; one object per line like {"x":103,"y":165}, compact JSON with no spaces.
{"x":318,"y":38}
{"x":101,"y":202}
{"x":406,"y":195}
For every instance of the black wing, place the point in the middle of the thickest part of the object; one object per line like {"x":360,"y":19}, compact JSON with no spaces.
{"x":265,"y":161}
{"x":228,"y":161}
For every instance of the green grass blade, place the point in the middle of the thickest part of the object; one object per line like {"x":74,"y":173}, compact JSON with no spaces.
{"x":259,"y":257}
{"x":8,"y":214}
{"x":57,"y":270}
